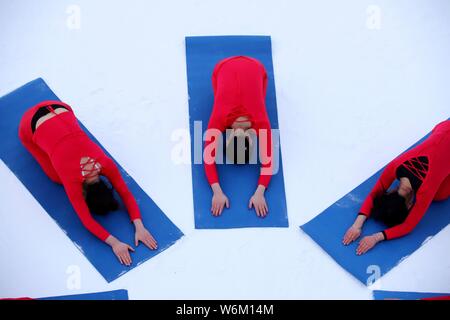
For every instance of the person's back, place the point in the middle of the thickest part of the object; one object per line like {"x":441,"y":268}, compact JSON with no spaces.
{"x":66,"y":143}
{"x":436,"y":148}
{"x":236,"y":88}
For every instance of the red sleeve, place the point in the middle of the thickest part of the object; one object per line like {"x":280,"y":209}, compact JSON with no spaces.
{"x":110,"y":170}
{"x":266,"y":153}
{"x":214,"y":128}
{"x":75,"y":193}
{"x":382,"y":185}
{"x":214,"y":132}
{"x":264,"y":81}
{"x":423,"y":201}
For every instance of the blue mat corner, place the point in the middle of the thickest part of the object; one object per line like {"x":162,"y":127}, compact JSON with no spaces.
{"x":106,"y":295}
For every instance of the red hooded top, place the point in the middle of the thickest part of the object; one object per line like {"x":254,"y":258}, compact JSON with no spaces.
{"x":435,"y":183}
{"x":240,"y":85}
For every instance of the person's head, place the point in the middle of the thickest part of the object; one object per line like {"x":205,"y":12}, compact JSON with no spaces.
{"x":238,"y":147}
{"x":390,"y":208}
{"x":241,"y":124}
{"x":100,"y":197}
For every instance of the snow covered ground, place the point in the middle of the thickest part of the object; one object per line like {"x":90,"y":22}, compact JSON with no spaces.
{"x":357,"y":82}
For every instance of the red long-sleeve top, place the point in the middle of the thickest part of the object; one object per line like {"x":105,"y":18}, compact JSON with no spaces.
{"x":437,"y":149}
{"x":58,"y":144}
{"x":240,"y":85}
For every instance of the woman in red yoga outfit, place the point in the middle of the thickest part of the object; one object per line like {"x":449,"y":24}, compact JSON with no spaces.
{"x":50,"y":132}
{"x":239,"y":85}
{"x":424,"y":174}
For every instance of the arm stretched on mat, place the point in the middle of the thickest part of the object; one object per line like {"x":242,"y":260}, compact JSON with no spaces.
{"x":423,"y":173}
{"x":240,"y":85}
{"x":51,"y":133}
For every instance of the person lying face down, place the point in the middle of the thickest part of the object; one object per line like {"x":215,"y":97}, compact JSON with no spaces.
{"x":424,"y":176}
{"x":240,"y":85}
{"x":51,"y":133}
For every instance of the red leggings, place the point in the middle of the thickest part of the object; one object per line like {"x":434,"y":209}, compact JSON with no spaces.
{"x":26,"y":136}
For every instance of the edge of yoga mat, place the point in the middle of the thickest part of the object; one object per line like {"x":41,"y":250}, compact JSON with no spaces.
{"x":201,"y":93}
{"x":327,"y":230}
{"x":105,"y":295}
{"x":401,"y":295}
{"x":29,"y":173}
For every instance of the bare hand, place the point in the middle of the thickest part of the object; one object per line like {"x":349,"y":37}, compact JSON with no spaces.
{"x":258,"y":202}
{"x":121,"y":251}
{"x":219,"y":201}
{"x":366,"y":244}
{"x":145,"y":237}
{"x":351,"y":235}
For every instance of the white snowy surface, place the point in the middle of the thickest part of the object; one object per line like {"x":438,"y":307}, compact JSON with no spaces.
{"x":350,"y":98}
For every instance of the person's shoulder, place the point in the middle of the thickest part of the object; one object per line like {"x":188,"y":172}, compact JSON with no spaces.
{"x":254,"y":60}
{"x":220,"y":63}
{"x":106,"y":161}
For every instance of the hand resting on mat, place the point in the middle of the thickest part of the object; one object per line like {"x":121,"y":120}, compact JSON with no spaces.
{"x":354,"y":232}
{"x":122,"y":250}
{"x":258,"y":202}
{"x":142,"y":235}
{"x":219,"y":200}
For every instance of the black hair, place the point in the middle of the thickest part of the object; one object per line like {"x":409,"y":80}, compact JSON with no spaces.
{"x":390,"y":209}
{"x":100,"y":198}
{"x":239,"y":156}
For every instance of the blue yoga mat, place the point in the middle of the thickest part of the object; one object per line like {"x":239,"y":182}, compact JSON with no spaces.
{"x":107,"y":295}
{"x":329,"y":227}
{"x":237,"y":181}
{"x":396,"y":295}
{"x":53,"y":199}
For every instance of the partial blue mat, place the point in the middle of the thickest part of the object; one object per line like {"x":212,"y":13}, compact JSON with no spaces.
{"x":53,"y":199}
{"x":238,"y":181}
{"x":107,"y":295}
{"x":329,"y":227}
{"x":397,"y":295}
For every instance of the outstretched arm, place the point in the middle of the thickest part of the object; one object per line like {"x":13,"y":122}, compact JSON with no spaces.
{"x":120,"y":249}
{"x":75,"y":193}
{"x":423,"y":201}
{"x":110,"y":170}
{"x":266,"y":152}
{"x":212,"y":137}
{"x":354,"y":232}
{"x":142,"y":234}
{"x":381,"y":186}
